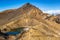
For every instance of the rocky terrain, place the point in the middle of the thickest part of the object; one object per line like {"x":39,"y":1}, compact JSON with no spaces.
{"x":41,"y":26}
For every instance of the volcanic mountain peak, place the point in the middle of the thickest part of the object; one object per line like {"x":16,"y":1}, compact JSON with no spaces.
{"x":27,"y":7}
{"x":28,"y":4}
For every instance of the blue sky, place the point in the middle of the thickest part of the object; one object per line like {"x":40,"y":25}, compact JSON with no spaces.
{"x":42,"y":4}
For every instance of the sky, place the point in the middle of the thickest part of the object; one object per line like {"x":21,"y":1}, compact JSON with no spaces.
{"x":45,"y":5}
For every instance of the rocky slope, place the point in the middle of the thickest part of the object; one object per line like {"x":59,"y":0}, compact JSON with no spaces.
{"x":42,"y":26}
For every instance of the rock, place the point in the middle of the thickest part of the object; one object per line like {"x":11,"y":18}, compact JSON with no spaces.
{"x":11,"y":37}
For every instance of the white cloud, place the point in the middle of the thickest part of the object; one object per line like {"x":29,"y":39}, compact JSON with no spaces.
{"x":52,"y":11}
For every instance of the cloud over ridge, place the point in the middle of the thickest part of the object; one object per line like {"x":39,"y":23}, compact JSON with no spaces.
{"x":52,"y":11}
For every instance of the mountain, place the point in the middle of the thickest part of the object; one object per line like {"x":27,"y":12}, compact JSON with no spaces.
{"x":41,"y":25}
